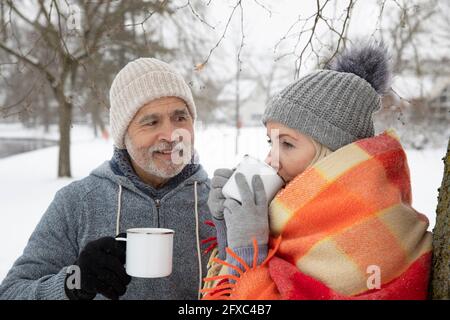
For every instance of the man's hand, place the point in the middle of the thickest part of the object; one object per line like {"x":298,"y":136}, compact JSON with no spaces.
{"x":102,"y":271}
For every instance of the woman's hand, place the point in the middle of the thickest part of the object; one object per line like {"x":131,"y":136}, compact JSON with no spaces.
{"x":216,"y":198}
{"x":249,"y":219}
{"x":215,"y":204}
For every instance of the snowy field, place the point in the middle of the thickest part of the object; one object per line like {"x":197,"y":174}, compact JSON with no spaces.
{"x":28,"y":180}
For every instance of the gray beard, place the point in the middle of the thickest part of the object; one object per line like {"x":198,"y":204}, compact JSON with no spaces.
{"x":144,"y":158}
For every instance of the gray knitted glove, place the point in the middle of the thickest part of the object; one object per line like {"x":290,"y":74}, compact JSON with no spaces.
{"x":249,"y":219}
{"x":216,"y":198}
{"x":215,"y":204}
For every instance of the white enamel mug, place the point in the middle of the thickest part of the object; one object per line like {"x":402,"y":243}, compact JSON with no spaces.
{"x":149,"y":252}
{"x":249,"y":167}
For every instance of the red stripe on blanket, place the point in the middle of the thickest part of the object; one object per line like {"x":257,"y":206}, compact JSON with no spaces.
{"x":390,"y":154}
{"x":295,"y":285}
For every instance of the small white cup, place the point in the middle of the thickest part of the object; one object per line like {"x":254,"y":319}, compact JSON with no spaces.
{"x":149,"y":252}
{"x":249,"y":167}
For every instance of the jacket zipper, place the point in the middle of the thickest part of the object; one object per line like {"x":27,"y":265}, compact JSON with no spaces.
{"x":158,"y":205}
{"x":158,"y":201}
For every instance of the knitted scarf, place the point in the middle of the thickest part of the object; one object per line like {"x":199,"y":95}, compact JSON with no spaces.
{"x":342,"y":229}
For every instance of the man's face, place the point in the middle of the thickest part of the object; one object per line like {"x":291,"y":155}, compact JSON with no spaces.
{"x":153,"y":137}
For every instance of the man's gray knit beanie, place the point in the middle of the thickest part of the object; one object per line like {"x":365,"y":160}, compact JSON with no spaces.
{"x":334,"y":106}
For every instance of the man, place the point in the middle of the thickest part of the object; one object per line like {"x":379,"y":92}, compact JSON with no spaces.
{"x":147,"y":183}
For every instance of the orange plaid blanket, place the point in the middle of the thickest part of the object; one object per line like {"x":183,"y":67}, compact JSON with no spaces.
{"x":343,"y":229}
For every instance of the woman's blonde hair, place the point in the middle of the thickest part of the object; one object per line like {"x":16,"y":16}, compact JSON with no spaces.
{"x":321,"y":151}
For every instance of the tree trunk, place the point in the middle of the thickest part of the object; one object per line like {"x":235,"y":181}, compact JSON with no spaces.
{"x":97,"y":120}
{"x":237,"y":116}
{"x":440,"y":281}
{"x":47,"y":113}
{"x":65,"y":121}
{"x":94,"y":125}
{"x":4,"y":34}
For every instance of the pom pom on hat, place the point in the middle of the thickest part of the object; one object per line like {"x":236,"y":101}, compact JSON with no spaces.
{"x":369,"y":61}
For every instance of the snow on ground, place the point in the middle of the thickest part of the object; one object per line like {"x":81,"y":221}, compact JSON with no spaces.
{"x":29,"y":180}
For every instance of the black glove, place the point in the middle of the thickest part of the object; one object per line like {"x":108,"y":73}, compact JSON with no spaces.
{"x":102,"y":271}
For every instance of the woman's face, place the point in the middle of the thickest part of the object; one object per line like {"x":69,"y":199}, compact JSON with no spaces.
{"x":295,"y":150}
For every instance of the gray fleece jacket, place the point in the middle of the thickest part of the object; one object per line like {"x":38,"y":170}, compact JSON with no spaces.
{"x":87,"y":209}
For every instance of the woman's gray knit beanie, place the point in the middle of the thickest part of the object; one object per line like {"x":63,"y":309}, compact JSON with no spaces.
{"x":334,"y":106}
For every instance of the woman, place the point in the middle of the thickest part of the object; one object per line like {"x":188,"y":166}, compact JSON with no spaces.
{"x":343,"y":226}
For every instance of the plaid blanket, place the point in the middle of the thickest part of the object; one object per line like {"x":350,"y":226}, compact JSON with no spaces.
{"x":343,"y":229}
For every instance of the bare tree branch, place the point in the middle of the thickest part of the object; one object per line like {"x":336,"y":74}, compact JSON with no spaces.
{"x":230,"y":17}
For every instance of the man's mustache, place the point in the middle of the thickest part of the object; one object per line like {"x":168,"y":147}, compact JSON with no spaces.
{"x":166,"y":146}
